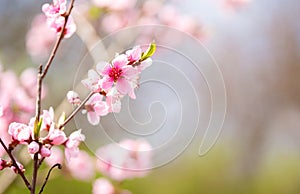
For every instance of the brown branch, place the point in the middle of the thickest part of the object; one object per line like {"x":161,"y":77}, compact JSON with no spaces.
{"x":48,"y":175}
{"x":75,"y":111}
{"x":14,"y":163}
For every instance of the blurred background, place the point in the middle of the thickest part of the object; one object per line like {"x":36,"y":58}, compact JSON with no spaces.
{"x":256,"y":45}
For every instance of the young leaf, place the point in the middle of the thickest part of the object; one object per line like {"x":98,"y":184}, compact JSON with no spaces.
{"x":149,"y":52}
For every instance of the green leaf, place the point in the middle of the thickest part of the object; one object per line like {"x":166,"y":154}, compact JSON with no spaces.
{"x":149,"y":52}
{"x":37,"y":128}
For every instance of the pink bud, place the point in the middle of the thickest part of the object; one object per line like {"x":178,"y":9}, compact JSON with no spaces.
{"x":33,"y":147}
{"x":73,"y":98}
{"x":15,"y":169}
{"x":56,"y":136}
{"x":45,"y":152}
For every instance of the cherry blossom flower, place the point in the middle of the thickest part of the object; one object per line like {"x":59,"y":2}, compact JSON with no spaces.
{"x":56,"y":136}
{"x":82,"y":167}
{"x":119,"y":74}
{"x":134,"y":54}
{"x":103,"y":186}
{"x":48,"y":117}
{"x":71,"y":146}
{"x":95,"y":107}
{"x":57,"y":8}
{"x":19,"y":132}
{"x":33,"y":147}
{"x":127,"y":160}
{"x":73,"y":98}
{"x":56,"y":24}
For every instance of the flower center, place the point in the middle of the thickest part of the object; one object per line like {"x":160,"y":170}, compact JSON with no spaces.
{"x":115,"y":73}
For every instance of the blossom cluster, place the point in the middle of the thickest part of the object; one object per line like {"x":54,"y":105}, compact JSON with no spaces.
{"x":26,"y":134}
{"x":112,"y":81}
{"x":56,"y":16}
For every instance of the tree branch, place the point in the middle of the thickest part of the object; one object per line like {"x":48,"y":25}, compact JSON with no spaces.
{"x":48,"y":175}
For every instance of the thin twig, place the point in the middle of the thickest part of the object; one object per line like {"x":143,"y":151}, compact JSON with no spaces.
{"x":48,"y":175}
{"x":39,"y":94}
{"x":20,"y":172}
{"x":34,"y":175}
{"x":76,"y":110}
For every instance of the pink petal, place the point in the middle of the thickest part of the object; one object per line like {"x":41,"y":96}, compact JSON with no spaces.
{"x":123,"y":86}
{"x":93,"y":118}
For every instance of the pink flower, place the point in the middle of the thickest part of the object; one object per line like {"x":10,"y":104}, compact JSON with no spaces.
{"x":19,"y":132}
{"x":95,"y":108}
{"x":73,"y":98}
{"x":56,"y":136}
{"x":55,"y":157}
{"x":103,"y":186}
{"x":45,"y":152}
{"x":113,"y":102}
{"x":57,"y":24}
{"x":48,"y":117}
{"x":119,"y":74}
{"x":127,"y":160}
{"x":1,"y":111}
{"x":57,"y":8}
{"x":33,"y":147}
{"x":134,"y":54}
{"x":72,"y":144}
{"x":82,"y":167}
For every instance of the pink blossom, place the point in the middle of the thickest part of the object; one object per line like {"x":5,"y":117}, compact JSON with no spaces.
{"x":57,"y":24}
{"x":103,"y":186}
{"x":45,"y":152}
{"x":119,"y":74}
{"x":95,"y":108}
{"x":55,"y":157}
{"x":57,"y":8}
{"x":73,"y":98}
{"x":72,"y":144}
{"x":130,"y":160}
{"x":33,"y":147}
{"x":48,"y":117}
{"x":113,"y":102}
{"x":134,"y":54}
{"x":56,"y":136}
{"x":144,"y":64}
{"x":19,"y":132}
{"x":82,"y":167}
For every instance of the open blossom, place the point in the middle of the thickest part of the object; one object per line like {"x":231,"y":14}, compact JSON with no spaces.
{"x":103,"y":186}
{"x":82,"y":167}
{"x":120,"y":75}
{"x":93,"y":82}
{"x":56,"y":20}
{"x":71,"y":146}
{"x":19,"y":132}
{"x":57,"y":8}
{"x":127,"y":160}
{"x":56,"y":136}
{"x":95,"y":107}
